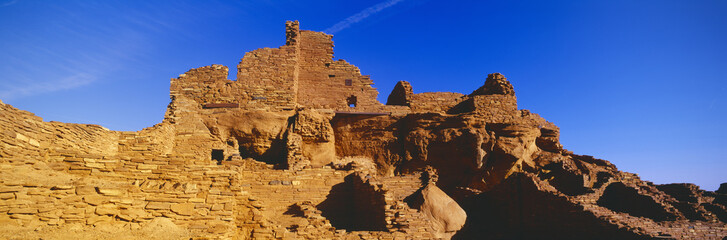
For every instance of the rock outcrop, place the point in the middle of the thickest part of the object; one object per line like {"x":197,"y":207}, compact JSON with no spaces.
{"x":298,"y":147}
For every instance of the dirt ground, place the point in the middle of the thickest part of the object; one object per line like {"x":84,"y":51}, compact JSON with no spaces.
{"x":158,"y":229}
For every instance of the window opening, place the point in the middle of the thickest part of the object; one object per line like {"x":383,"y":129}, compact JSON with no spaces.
{"x":351,"y":101}
{"x":218,"y":155}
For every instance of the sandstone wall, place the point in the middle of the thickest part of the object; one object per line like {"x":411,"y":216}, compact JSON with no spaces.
{"x":25,"y":135}
{"x":435,"y":101}
{"x":494,"y":108}
{"x":441,"y":102}
{"x":206,"y":85}
{"x":324,"y":83}
{"x":124,"y":191}
{"x":302,"y":73}
{"x":153,"y":141}
{"x":269,"y":77}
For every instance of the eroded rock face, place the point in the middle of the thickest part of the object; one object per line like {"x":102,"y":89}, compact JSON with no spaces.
{"x":318,"y":144}
{"x":253,"y":134}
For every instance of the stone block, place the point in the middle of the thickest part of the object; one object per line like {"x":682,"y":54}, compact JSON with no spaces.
{"x":94,"y":200}
{"x":125,"y":217}
{"x":186,"y":209}
{"x":135,"y":213}
{"x":62,"y":187}
{"x":217,"y":207}
{"x":23,"y":211}
{"x":146,"y":167}
{"x":6,"y":196}
{"x":107,"y":209}
{"x":159,"y":206}
{"x":85,"y":190}
{"x":10,"y":189}
{"x":71,"y":199}
{"x":99,"y":219}
{"x":111,"y":191}
{"x":95,"y":165}
{"x":23,"y":216}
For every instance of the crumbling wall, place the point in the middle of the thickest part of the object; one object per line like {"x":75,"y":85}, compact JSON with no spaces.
{"x":301,"y":72}
{"x":251,"y":134}
{"x":494,"y":108}
{"x":369,"y":205}
{"x":152,"y":141}
{"x":324,"y":83}
{"x":24,"y":135}
{"x":520,"y":208}
{"x":268,"y":77}
{"x":370,"y":136}
{"x":198,"y":167}
{"x":401,"y":95}
{"x":206,"y":85}
{"x":435,"y":101}
{"x":621,"y":198}
{"x":317,"y":140}
{"x":106,"y":190}
{"x":441,"y":102}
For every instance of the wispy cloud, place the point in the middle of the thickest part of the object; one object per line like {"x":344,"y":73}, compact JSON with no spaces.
{"x":8,"y":3}
{"x":70,"y":82}
{"x":360,"y":16}
{"x":80,"y":53}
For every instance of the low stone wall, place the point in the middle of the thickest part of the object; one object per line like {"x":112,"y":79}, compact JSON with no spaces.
{"x":24,"y":135}
{"x":492,"y":108}
{"x":193,"y":193}
{"x":439,"y":102}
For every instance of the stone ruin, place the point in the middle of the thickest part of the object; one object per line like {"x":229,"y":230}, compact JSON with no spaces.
{"x":298,"y":147}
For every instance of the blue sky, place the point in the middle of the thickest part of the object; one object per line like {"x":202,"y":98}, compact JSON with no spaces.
{"x":639,"y":83}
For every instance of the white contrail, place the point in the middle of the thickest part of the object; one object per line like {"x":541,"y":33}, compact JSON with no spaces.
{"x":360,"y":16}
{"x":9,"y":3}
{"x":70,"y":82}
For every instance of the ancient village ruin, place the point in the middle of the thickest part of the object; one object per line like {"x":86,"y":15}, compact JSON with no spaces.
{"x":298,"y":147}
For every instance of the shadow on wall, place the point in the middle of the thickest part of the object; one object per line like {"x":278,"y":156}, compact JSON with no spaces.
{"x":275,"y":154}
{"x":218,"y":155}
{"x":345,"y":210}
{"x":516,"y":209}
{"x":621,"y":198}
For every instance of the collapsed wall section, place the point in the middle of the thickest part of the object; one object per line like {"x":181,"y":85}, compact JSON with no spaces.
{"x":206,"y":85}
{"x":265,"y":81}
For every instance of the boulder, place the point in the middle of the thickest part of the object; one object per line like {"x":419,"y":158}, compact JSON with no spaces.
{"x":446,"y":216}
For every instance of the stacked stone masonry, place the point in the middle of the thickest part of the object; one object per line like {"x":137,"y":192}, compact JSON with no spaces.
{"x":299,"y":147}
